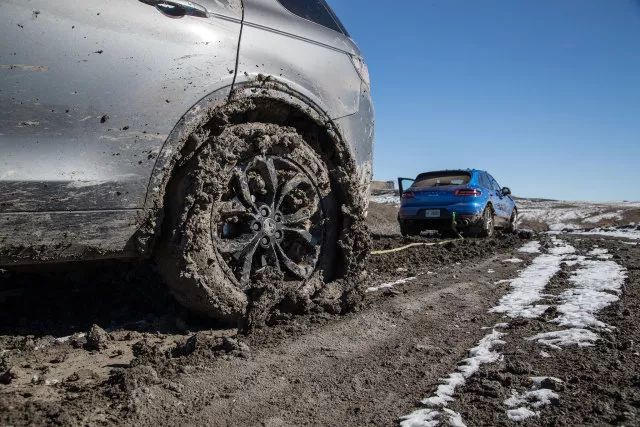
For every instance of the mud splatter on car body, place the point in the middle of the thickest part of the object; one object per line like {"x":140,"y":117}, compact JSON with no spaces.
{"x":91,"y":177}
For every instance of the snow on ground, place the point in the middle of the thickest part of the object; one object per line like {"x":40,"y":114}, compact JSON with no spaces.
{"x":610,"y":215}
{"x":390,"y":285}
{"x":521,"y":405}
{"x":526,"y":289}
{"x":597,"y":282}
{"x":436,"y":405}
{"x":563,"y":215}
{"x":596,"y":285}
{"x":600,"y":253}
{"x":520,"y":414}
{"x":386,"y":199}
{"x":622,"y":233}
{"x":532,"y":247}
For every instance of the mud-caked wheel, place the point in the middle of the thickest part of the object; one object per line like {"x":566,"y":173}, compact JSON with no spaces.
{"x":487,"y":224}
{"x":512,"y":226}
{"x":254,"y":201}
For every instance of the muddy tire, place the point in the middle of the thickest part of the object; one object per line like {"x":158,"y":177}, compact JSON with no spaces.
{"x":253,"y":208}
{"x":488,"y":223}
{"x":408,"y":229}
{"x":512,"y":226}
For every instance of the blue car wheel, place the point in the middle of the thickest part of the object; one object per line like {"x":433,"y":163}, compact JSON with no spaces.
{"x":488,"y":223}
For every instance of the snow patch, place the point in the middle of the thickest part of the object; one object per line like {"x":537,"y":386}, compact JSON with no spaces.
{"x":513,"y":260}
{"x":62,"y":340}
{"x":386,"y":199}
{"x":455,"y":419}
{"x":532,"y":247}
{"x":567,"y":337}
{"x":520,"y":414}
{"x":600,"y":253}
{"x":390,"y":285}
{"x":535,"y":398}
{"x":481,"y":354}
{"x":622,"y":233}
{"x":521,"y":405}
{"x":561,"y":215}
{"x":601,"y":217}
{"x":596,"y":285}
{"x":526,"y":289}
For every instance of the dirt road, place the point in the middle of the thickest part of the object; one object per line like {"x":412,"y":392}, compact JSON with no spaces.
{"x":482,"y":332}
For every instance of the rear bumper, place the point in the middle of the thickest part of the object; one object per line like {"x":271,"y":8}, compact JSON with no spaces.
{"x":460,"y":209}
{"x":461,"y":216}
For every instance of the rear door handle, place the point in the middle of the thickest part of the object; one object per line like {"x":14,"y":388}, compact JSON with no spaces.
{"x":178,"y":8}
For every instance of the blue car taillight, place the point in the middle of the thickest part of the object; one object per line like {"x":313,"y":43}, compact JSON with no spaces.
{"x":469,"y":192}
{"x":408,"y":195}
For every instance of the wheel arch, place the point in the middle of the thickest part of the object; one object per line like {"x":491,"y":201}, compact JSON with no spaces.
{"x":259,"y":100}
{"x":489,"y":205}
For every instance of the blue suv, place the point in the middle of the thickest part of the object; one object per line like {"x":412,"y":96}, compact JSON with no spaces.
{"x":456,"y":201}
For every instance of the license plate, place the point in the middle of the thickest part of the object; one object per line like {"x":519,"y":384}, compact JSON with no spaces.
{"x":432,"y":213}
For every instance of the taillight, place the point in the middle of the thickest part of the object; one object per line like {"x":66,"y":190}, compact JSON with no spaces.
{"x":469,"y":192}
{"x":408,"y":195}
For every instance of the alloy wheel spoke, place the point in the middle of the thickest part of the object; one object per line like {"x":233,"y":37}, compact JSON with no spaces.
{"x":302,"y":271}
{"x":301,"y":233}
{"x":271,"y":257}
{"x":233,"y":207}
{"x":235,"y":246}
{"x":298,"y":217}
{"x":244,"y":194}
{"x":291,"y":185}
{"x":246,"y":258}
{"x":272,"y":175}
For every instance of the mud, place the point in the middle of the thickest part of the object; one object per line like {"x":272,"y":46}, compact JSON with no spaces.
{"x":199,"y":276}
{"x":599,"y":385}
{"x":107,"y":344}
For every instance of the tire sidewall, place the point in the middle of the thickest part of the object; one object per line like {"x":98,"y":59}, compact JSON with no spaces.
{"x":197,"y":273}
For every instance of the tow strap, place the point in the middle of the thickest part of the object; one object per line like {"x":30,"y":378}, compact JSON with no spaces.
{"x":411,"y":245}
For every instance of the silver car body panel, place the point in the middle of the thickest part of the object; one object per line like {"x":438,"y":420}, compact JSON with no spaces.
{"x":82,"y":130}
{"x":309,"y":58}
{"x":95,"y":102}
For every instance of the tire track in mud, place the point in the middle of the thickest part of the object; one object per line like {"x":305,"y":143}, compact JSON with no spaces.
{"x":336,"y":369}
{"x":592,"y":281}
{"x":349,"y":371}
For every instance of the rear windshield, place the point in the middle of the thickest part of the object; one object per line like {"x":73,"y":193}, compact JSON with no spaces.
{"x":439,"y":179}
{"x":317,"y":11}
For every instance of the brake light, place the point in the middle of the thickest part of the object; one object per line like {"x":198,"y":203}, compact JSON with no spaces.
{"x":408,"y":195}
{"x":469,"y":192}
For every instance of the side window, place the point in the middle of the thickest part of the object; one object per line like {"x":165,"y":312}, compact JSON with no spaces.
{"x":317,"y":11}
{"x":493,"y":184}
{"x":484,"y":181}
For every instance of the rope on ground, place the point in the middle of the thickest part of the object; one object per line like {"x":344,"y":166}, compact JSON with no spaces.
{"x":411,"y":245}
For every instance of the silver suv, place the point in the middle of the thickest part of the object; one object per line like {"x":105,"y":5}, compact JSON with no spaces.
{"x":229,"y":139}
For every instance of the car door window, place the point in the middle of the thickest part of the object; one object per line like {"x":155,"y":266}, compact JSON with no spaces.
{"x":317,"y":11}
{"x":484,"y":181}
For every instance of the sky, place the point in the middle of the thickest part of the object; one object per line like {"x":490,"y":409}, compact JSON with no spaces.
{"x":544,"y":94}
